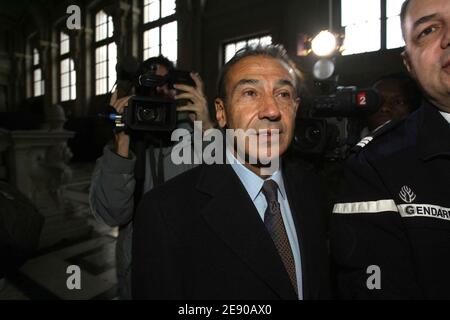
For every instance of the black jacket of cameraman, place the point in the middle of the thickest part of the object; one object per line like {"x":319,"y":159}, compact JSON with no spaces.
{"x":393,"y":212}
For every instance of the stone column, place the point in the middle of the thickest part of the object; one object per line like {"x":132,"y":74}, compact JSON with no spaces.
{"x":19,"y":80}
{"x":135,"y":36}
{"x":120,"y":12}
{"x":75,"y":54}
{"x":47,"y":51}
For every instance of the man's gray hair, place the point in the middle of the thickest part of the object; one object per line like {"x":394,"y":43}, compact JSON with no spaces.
{"x":273,"y":51}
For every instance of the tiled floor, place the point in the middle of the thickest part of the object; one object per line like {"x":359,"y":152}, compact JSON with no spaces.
{"x":45,"y":277}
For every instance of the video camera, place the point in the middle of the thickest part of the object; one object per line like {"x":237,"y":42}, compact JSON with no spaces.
{"x":148,"y":110}
{"x":333,"y":125}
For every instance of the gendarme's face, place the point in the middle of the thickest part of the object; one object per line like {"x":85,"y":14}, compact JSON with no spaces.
{"x":260,"y":96}
{"x":427,"y":33}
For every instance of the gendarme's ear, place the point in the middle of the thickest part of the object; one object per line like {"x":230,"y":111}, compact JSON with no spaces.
{"x":221,"y":115}
{"x":407,"y":62}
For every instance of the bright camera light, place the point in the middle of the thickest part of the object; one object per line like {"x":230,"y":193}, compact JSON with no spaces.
{"x":323,"y":69}
{"x":324,"y":44}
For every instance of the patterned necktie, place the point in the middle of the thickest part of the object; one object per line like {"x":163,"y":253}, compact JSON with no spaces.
{"x":274,"y":224}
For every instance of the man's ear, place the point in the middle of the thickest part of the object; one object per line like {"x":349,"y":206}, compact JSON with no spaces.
{"x":298,"y":101}
{"x":407,"y":63}
{"x":221,"y":115}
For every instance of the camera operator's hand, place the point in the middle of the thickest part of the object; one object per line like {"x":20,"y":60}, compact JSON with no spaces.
{"x":198,"y":105}
{"x":122,"y":139}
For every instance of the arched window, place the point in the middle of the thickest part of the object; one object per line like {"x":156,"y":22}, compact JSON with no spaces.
{"x":67,"y":71}
{"x":105,"y":54}
{"x":37,"y":76}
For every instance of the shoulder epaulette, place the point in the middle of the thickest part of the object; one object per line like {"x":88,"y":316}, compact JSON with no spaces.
{"x":384,"y":129}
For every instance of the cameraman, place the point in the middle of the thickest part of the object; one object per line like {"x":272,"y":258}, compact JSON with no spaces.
{"x":401,"y":96}
{"x":113,"y":185}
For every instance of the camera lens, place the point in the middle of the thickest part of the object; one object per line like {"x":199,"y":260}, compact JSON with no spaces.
{"x":309,"y":135}
{"x":147,"y":114}
{"x":313,"y":135}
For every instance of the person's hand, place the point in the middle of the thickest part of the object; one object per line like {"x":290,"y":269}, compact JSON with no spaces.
{"x":198,"y":104}
{"x":122,"y":139}
{"x":119,"y":104}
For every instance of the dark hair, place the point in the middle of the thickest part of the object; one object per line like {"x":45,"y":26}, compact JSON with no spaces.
{"x":403,"y":12}
{"x":148,"y":64}
{"x":408,"y":85}
{"x":273,"y":51}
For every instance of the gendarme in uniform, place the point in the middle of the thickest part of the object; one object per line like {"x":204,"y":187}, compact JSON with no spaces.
{"x":394,"y":212}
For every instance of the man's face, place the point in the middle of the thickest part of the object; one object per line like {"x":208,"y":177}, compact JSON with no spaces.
{"x":427,"y":55}
{"x":395,"y":105}
{"x":260,"y":96}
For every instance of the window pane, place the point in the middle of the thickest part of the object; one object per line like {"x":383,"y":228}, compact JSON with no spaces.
{"x":38,"y":83}
{"x":100,"y":32}
{"x":65,"y":94}
{"x":253,"y":42}
{"x":65,"y":80}
{"x":37,"y":89}
{"x":100,"y":86}
{"x":64,"y":43}
{"x":112,"y":50}
{"x":394,"y":38}
{"x":146,"y":54}
{"x":230,"y":50}
{"x":169,"y":35}
{"x":73,"y":92}
{"x":151,"y":43}
{"x":169,"y":50}
{"x":266,"y":40}
{"x":37,"y":75}
{"x":100,"y":70}
{"x":356,"y":37}
{"x":100,"y":54}
{"x":151,"y":10}
{"x":101,"y":20}
{"x":393,"y":7}
{"x":240,"y":45}
{"x":167,"y":8}
{"x":73,"y":77}
{"x":357,"y":11}
{"x":35,"y":57}
{"x":110,"y":27}
{"x":65,"y":66}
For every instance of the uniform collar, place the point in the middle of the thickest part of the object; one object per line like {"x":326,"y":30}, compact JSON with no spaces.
{"x":446,"y":116}
{"x":434,"y":133}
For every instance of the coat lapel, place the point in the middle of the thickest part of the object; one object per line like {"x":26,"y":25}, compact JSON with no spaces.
{"x":233,"y":217}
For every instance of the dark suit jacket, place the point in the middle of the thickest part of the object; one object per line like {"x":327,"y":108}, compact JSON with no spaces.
{"x":199,"y":236}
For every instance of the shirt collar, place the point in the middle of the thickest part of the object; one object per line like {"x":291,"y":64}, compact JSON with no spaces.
{"x":446,"y":115}
{"x":251,"y":181}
